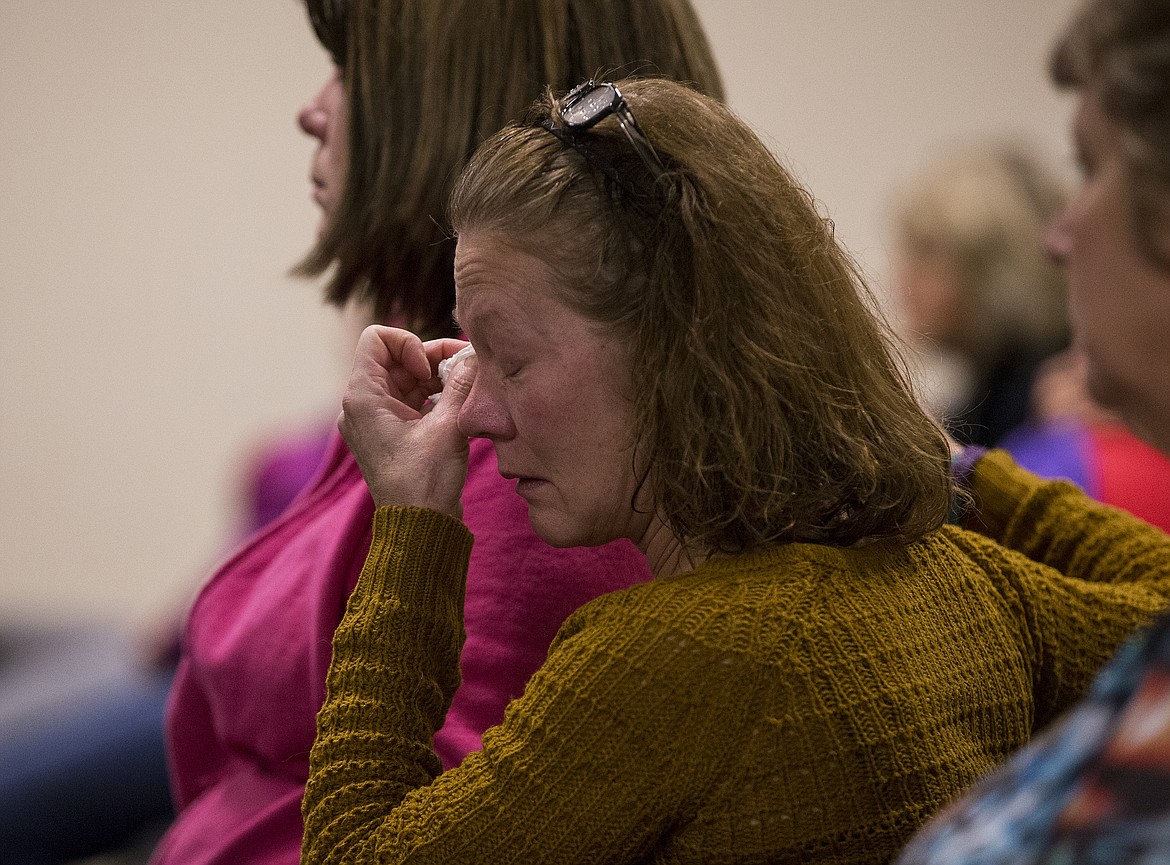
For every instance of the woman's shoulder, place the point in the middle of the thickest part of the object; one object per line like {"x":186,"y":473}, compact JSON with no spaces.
{"x":691,"y":644}
{"x":768,"y":603}
{"x":793,"y":620}
{"x":700,"y":607}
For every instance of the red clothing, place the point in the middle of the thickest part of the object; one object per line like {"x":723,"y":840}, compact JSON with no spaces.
{"x":1133,"y":475}
{"x":242,"y":714}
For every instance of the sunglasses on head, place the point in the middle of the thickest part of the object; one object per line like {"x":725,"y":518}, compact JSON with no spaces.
{"x":588,"y":104}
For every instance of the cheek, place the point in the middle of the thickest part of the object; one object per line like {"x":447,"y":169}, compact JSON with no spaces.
{"x":338,"y":152}
{"x":337,"y":135}
{"x":1113,"y":328}
{"x":1099,"y":226}
{"x":584,"y":428}
{"x":929,"y":296}
{"x":551,"y":420}
{"x":1105,"y":276}
{"x":1091,"y":268}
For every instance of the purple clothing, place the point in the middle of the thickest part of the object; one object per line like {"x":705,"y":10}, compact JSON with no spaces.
{"x":242,"y":714}
{"x":1055,"y":450}
{"x":1107,"y":461}
{"x":280,"y":471}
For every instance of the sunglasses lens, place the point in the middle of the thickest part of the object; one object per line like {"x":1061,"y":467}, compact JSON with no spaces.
{"x":589,"y":108}
{"x":588,"y":104}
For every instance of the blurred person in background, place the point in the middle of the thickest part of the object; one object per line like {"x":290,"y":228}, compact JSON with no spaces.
{"x":1095,"y":788}
{"x":985,"y":305}
{"x":979,"y":298}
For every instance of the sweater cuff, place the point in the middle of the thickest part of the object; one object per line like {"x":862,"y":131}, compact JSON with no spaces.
{"x":1000,"y":488}
{"x":418,"y":556}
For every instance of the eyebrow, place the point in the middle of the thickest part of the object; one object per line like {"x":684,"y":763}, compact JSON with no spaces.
{"x":491,"y":319}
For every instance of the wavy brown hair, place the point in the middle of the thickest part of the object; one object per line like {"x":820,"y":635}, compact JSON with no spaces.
{"x":426,"y":81}
{"x":1121,"y":48}
{"x":771,"y":406}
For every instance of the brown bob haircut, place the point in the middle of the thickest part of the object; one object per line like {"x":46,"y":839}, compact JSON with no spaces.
{"x":771,"y":403}
{"x":426,"y":81}
{"x":1121,"y":49}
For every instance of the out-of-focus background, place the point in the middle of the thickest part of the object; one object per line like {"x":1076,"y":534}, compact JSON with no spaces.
{"x":154,"y":192}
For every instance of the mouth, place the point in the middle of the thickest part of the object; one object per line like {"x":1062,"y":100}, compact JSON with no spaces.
{"x":319,"y":194}
{"x":529,"y":489}
{"x":523,"y":482}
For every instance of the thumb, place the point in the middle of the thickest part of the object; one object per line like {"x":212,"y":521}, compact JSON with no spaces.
{"x":457,"y":387}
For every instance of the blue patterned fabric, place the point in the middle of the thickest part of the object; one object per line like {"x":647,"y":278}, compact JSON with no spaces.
{"x":1093,"y":789}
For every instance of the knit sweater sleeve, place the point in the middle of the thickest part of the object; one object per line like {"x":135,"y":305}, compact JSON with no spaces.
{"x":577,"y":765}
{"x":1057,"y":524}
{"x":1101,"y":573}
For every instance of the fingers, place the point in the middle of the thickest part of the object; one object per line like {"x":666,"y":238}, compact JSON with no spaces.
{"x":390,"y":365}
{"x":448,"y":446}
{"x":459,"y":381}
{"x":445,"y":411}
{"x":394,"y":365}
{"x":394,"y":347}
{"x":407,"y":453}
{"x":438,"y":350}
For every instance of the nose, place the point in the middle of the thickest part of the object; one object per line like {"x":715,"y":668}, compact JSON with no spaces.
{"x":483,"y":415}
{"x":313,"y":118}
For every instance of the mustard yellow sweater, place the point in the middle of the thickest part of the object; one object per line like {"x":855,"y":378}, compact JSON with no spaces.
{"x":806,"y":704}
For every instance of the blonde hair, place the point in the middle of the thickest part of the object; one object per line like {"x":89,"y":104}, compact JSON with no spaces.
{"x":772,"y":405}
{"x":986,"y":207}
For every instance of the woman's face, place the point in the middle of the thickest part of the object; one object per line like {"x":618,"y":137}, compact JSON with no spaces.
{"x":1119,"y":300}
{"x":552,"y":391}
{"x":928,"y":289}
{"x":323,"y":118}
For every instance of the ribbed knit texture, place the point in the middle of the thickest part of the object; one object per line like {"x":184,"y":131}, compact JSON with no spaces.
{"x":258,"y":642}
{"x":801,"y":705}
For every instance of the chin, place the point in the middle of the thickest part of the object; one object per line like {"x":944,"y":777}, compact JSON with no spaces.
{"x":556,"y":533}
{"x":556,"y":536}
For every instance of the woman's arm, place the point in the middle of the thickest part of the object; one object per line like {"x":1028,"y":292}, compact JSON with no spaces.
{"x":1107,"y":574}
{"x":576,"y":773}
{"x":1055,"y":523}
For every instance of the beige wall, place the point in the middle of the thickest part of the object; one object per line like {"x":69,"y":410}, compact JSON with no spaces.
{"x":153,"y":192}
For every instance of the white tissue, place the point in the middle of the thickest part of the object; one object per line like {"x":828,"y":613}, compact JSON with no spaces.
{"x":446,"y":367}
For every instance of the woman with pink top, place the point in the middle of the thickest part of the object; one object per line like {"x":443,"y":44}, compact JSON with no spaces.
{"x":417,"y":85}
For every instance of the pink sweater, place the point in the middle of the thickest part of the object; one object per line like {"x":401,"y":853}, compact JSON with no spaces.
{"x":257,"y":646}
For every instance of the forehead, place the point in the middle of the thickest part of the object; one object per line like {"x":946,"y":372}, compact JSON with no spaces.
{"x":507,"y":300}
{"x":495,"y":279}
